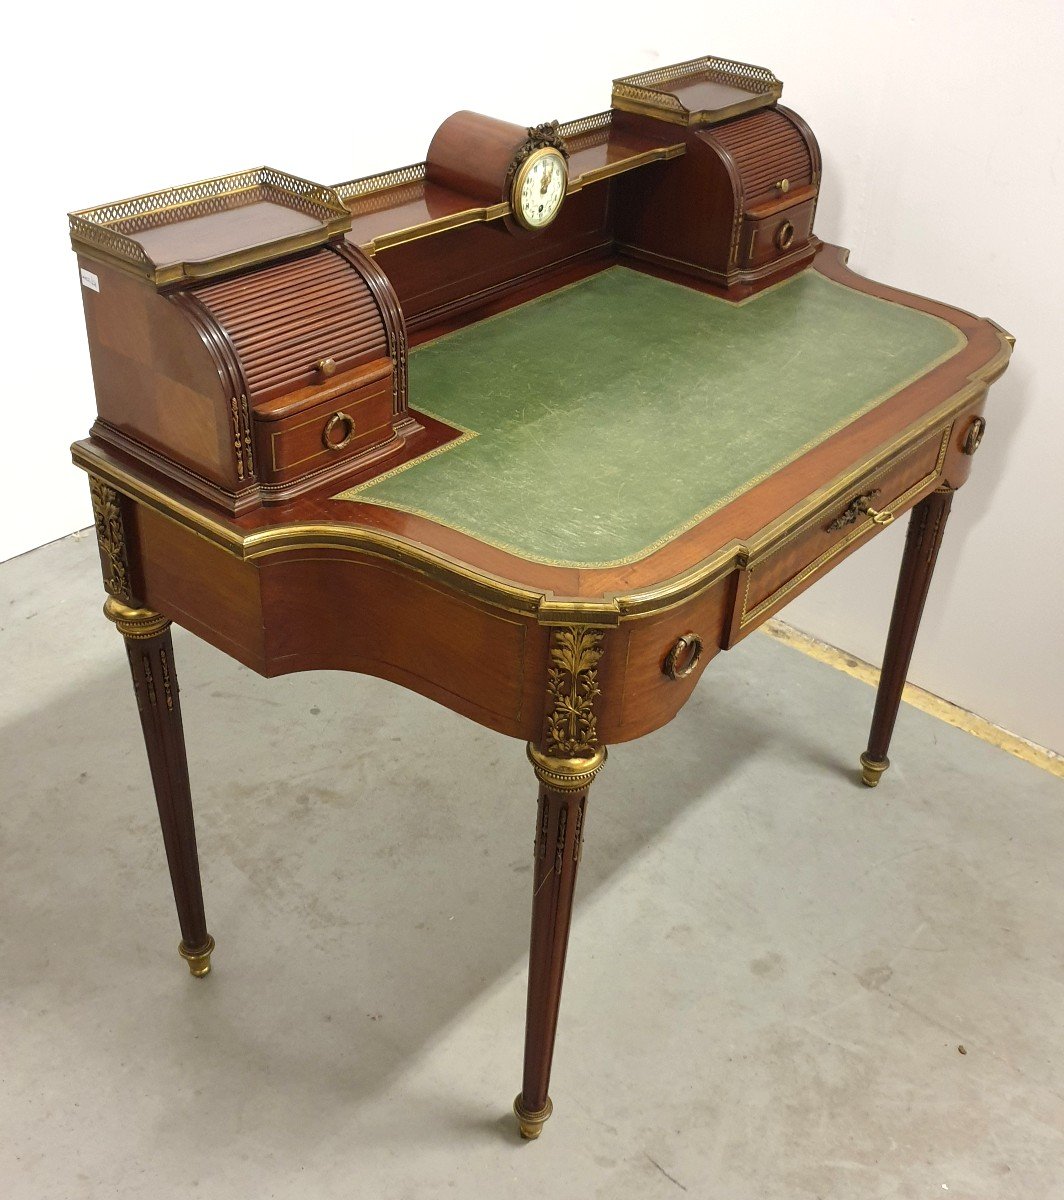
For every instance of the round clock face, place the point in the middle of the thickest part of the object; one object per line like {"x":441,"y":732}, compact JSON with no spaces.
{"x":539,"y":188}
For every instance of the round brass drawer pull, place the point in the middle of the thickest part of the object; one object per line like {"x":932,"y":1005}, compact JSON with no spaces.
{"x":326,"y":366}
{"x":975,"y":435}
{"x":784,"y":235}
{"x":682,"y":659}
{"x":338,"y":419}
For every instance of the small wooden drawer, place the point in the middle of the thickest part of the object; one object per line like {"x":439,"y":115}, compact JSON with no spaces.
{"x":314,"y":436}
{"x":784,"y":569}
{"x":771,"y":232}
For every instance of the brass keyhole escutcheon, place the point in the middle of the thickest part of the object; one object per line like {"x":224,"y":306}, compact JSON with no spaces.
{"x":784,"y":235}
{"x":682,"y":659}
{"x":339,"y":420}
{"x":974,"y":436}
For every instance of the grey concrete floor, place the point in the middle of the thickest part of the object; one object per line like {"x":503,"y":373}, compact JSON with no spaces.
{"x":771,"y":968}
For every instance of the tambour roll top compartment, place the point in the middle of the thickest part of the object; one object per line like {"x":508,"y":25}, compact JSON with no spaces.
{"x":738,"y":206}
{"x":250,"y":371}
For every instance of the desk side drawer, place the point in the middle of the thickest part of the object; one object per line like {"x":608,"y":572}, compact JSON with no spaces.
{"x":780,"y":572}
{"x":767,"y":238}
{"x":331,"y":431}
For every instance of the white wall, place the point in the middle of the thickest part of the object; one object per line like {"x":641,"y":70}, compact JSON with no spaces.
{"x":940,"y":128}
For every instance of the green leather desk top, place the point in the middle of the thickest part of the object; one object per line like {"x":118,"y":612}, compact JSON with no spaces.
{"x":605,"y":418}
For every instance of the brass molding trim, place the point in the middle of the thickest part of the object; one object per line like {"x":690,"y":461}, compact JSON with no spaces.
{"x":858,"y":531}
{"x":566,"y":774}
{"x":111,"y":536}
{"x":371,"y":188}
{"x":572,"y":689}
{"x":550,"y":609}
{"x":139,"y":623}
{"x":104,"y":232}
{"x":639,"y":93}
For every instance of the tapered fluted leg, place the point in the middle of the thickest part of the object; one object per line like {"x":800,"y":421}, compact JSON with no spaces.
{"x":922,"y":542}
{"x":563,"y":788}
{"x":151,"y":660}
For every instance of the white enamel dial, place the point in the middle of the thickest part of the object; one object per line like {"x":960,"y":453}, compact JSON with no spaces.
{"x":540,"y":188}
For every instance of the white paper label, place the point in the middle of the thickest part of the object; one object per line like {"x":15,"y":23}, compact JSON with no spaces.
{"x":89,"y":280}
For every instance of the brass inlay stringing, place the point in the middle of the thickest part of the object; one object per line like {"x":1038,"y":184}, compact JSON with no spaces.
{"x":603,"y":610}
{"x":572,"y":688}
{"x":887,"y":512}
{"x":111,"y":535}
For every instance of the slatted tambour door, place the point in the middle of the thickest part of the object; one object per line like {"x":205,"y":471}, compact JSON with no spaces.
{"x":285,"y":319}
{"x":766,"y":147}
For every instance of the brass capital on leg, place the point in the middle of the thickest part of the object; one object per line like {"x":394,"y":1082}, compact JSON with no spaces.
{"x":566,"y":774}
{"x":872,"y":769}
{"x":134,"y":622}
{"x":199,"y":961}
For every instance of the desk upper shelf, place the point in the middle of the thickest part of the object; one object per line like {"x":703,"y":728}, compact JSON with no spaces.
{"x":400,"y":206}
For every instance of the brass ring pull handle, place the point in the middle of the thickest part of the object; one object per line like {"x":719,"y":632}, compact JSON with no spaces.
{"x":338,"y":419}
{"x":682,"y":659}
{"x":784,"y":235}
{"x":974,"y":435}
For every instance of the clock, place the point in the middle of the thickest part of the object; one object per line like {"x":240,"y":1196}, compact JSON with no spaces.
{"x":538,"y":188}
{"x":538,"y":177}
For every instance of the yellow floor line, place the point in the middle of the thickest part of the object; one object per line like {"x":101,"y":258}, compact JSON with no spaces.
{"x":926,"y":702}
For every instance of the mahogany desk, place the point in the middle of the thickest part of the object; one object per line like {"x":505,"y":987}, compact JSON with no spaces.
{"x":611,"y":469}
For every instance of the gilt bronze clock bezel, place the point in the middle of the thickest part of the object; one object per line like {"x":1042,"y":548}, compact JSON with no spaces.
{"x":522,"y":173}
{"x":542,"y":140}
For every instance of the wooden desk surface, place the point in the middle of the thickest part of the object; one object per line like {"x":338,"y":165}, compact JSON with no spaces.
{"x":603,"y":419}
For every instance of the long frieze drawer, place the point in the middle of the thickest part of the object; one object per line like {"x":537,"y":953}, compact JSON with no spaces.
{"x":316,"y":436}
{"x":773,"y":577}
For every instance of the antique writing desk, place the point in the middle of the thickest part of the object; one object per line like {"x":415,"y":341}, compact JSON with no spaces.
{"x":536,"y":428}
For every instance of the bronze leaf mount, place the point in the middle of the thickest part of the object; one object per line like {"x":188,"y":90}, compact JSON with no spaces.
{"x":111,"y":536}
{"x":572,"y":688}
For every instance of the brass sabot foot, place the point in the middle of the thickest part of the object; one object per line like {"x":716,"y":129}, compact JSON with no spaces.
{"x":199,"y":961}
{"x":531,"y":1123}
{"x":872,"y":769}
